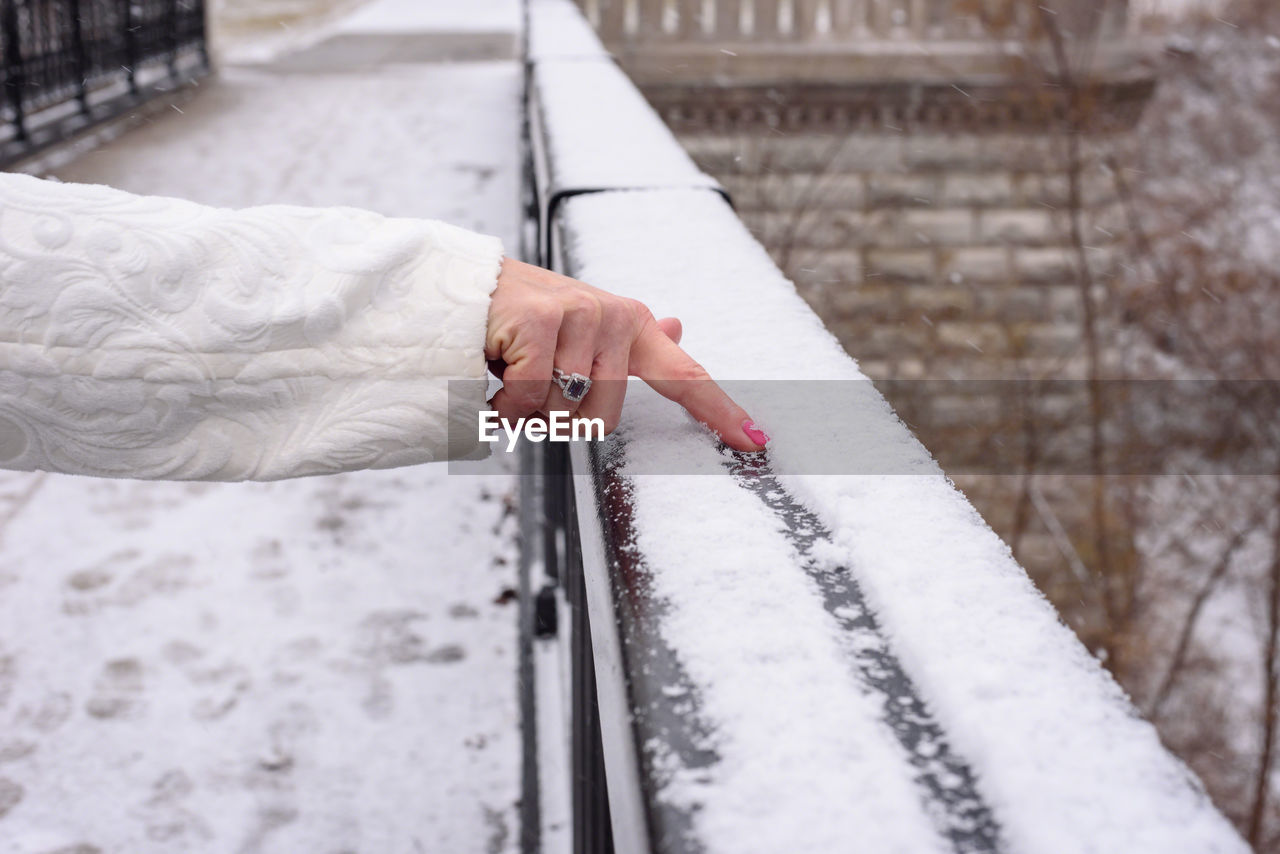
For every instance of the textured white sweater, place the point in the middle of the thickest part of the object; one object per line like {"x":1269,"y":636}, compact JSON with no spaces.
{"x":156,"y":338}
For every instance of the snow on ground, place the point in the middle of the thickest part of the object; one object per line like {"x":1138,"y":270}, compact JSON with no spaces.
{"x":260,"y":30}
{"x":395,"y":16}
{"x":320,"y":665}
{"x":316,"y":665}
{"x":362,"y":33}
{"x":437,"y":141}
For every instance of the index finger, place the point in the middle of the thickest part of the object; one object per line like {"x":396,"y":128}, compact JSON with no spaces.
{"x":671,"y":372}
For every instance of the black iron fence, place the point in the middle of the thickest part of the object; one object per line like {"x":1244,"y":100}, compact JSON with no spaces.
{"x":67,"y":64}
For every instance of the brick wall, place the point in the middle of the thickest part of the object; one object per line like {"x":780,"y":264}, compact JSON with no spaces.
{"x":929,"y":255}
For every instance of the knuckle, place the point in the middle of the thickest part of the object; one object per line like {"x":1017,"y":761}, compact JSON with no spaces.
{"x":582,"y":307}
{"x":623,"y":315}
{"x":616,"y":319}
{"x":545,"y":315}
{"x":690,"y":371}
{"x":640,"y":312}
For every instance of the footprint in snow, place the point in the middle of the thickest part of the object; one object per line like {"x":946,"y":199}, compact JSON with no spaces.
{"x":117,"y":692}
{"x":11,"y":795}
{"x":225,"y":686}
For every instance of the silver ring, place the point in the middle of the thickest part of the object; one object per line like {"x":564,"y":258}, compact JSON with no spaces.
{"x":574,"y":387}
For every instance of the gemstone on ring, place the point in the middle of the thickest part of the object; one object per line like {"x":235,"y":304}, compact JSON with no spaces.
{"x":574,"y":387}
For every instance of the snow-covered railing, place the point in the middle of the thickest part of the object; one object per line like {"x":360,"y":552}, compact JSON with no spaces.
{"x":822,"y":649}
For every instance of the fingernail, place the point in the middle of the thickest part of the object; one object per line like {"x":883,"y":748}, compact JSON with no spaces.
{"x":754,"y":433}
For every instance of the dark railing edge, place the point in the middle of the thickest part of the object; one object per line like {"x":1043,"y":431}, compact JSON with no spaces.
{"x":613,"y":797}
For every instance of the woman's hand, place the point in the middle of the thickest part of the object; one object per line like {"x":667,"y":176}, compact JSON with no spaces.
{"x":540,"y":320}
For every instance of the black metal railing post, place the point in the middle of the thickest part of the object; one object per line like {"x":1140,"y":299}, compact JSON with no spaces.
{"x":130,"y":45}
{"x":15,"y":78}
{"x":174,"y":39}
{"x":202,"y":23}
{"x":79,"y":55}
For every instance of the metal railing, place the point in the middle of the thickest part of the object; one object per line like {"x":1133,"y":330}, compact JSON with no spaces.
{"x":68,"y":64}
{"x":612,"y":198}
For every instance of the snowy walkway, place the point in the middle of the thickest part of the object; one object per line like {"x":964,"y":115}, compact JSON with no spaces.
{"x":324,"y":665}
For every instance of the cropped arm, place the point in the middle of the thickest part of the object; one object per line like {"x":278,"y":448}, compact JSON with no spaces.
{"x":156,"y":338}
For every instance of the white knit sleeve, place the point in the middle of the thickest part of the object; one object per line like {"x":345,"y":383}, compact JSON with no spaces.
{"x":155,"y":338}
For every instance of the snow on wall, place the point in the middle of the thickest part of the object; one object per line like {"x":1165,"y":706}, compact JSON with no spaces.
{"x":557,"y":30}
{"x":606,"y":134}
{"x":1060,"y":755}
{"x":805,"y":764}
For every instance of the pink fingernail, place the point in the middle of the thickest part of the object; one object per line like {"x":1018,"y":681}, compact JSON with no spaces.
{"x":754,"y":433}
